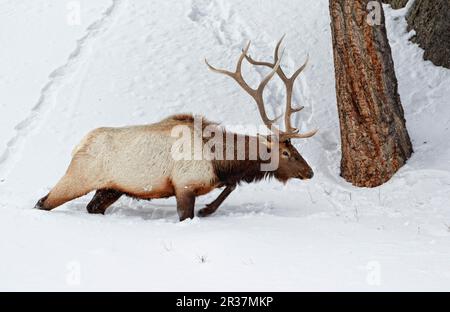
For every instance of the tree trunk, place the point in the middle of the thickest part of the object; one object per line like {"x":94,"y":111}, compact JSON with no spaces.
{"x":375,"y":141}
{"x":431,"y":21}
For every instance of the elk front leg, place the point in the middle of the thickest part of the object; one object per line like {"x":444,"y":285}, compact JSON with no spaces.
{"x":102,"y":200}
{"x":185,"y":204}
{"x":212,"y":207}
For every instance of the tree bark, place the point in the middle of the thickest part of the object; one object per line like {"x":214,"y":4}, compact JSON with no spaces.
{"x":431,"y":21}
{"x":374,"y":138}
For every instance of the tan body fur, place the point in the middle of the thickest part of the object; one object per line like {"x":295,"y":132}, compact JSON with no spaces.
{"x":134,"y":160}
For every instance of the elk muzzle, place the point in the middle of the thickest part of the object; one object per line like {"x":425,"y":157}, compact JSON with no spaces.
{"x":306,"y":175}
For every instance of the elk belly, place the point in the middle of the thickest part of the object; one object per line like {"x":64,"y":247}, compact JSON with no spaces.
{"x":158,"y":189}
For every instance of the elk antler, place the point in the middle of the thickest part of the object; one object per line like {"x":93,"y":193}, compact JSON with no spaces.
{"x":257,"y":93}
{"x":290,"y":132}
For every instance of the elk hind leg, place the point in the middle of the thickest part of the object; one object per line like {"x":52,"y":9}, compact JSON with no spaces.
{"x":102,"y":200}
{"x":67,"y":189}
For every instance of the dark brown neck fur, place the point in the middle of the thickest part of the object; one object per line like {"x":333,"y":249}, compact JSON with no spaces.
{"x":232,"y":172}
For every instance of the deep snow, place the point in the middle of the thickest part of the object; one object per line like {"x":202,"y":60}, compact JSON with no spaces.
{"x":139,"y":61}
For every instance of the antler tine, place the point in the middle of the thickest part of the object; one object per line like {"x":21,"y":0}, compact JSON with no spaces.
{"x":299,"y":71}
{"x":270,"y":75}
{"x":220,"y":71}
{"x":242,"y":56}
{"x":238,"y":65}
{"x":237,"y":75}
{"x":295,"y":135}
{"x":260,"y":102}
{"x":277,"y":48}
{"x":296,"y":110}
{"x":292,"y":132}
{"x":257,"y":63}
{"x":280,"y":72}
{"x":257,"y":94}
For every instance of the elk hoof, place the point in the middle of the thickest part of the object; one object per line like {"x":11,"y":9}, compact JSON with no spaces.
{"x":204,"y":212}
{"x":40,"y":204}
{"x":95,"y":211}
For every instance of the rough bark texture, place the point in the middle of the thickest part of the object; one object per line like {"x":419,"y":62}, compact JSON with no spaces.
{"x":396,"y":4}
{"x":375,"y":141}
{"x":431,"y":21}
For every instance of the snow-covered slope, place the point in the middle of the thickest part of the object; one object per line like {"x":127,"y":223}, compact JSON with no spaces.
{"x":140,"y":61}
{"x":36,"y":38}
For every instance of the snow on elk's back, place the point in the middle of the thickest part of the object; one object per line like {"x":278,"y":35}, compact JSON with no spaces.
{"x":141,"y":61}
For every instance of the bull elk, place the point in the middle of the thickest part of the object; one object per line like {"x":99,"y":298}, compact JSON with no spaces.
{"x":136,"y":161}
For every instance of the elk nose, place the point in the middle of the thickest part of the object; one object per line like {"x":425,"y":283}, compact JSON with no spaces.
{"x":311,"y":174}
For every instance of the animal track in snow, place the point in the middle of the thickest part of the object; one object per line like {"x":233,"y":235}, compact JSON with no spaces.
{"x":217,"y":16}
{"x":45,"y":103}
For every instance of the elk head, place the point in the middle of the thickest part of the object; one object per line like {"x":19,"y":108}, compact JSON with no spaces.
{"x":291,"y":163}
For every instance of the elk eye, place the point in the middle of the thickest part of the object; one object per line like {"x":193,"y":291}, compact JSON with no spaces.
{"x":286,"y":154}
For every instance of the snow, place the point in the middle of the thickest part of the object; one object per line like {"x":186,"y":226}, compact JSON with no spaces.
{"x":135,"y":62}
